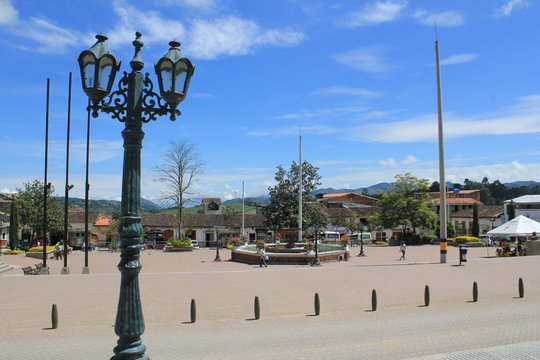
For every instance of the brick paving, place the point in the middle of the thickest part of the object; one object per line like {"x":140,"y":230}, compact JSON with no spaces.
{"x":401,"y":328}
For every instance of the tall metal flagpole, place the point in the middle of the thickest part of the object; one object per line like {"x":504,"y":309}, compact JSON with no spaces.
{"x":46,"y":186}
{"x":243,"y":212}
{"x":86,"y":269}
{"x":65,"y":269}
{"x":300,"y":192}
{"x":442,"y":179}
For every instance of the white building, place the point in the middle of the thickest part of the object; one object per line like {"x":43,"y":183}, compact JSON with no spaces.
{"x":526,"y":205}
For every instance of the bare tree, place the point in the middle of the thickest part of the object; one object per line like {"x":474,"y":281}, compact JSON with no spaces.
{"x":180,"y":169}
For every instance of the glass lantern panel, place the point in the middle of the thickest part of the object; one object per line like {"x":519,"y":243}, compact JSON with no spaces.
{"x":106,"y":65}
{"x":180,"y":74}
{"x":166,"y":75}
{"x":89,"y":70}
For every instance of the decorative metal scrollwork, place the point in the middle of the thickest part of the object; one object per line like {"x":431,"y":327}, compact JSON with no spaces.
{"x":150,"y":106}
{"x":119,"y":99}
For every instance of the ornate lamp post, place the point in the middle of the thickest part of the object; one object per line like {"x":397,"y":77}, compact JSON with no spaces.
{"x":133,"y":103}
{"x":362,"y":228}
{"x":316,"y":261}
{"x":218,"y":257}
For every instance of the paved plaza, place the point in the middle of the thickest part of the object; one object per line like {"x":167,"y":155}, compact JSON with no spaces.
{"x":499,"y":326}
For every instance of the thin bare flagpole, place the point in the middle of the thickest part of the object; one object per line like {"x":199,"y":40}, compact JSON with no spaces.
{"x":442,"y":179}
{"x":44,"y":269}
{"x":65,"y":270}
{"x":300,"y":236}
{"x":86,"y":269}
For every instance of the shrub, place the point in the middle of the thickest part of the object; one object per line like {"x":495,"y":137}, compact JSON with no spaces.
{"x":260,"y":244}
{"x":309,"y":245}
{"x":13,"y":252}
{"x":40,"y":249}
{"x":177,"y":242}
{"x":345,"y":240}
{"x":466,"y":239}
{"x":235,"y":241}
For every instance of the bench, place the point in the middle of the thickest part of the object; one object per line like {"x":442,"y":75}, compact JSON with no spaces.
{"x":39,"y":267}
{"x":27,"y":270}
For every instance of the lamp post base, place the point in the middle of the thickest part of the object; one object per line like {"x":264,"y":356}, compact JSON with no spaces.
{"x":44,"y":271}
{"x":85,"y":270}
{"x":64,"y":271}
{"x":217,"y":259}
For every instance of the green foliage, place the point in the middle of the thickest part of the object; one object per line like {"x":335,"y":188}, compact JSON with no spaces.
{"x":14,"y":224}
{"x":476,"y":223}
{"x":282,"y":211}
{"x":31,"y":209}
{"x":466,"y":239}
{"x":260,"y":244}
{"x":450,"y":229}
{"x":511,"y":211}
{"x":407,"y":203}
{"x":185,"y":241}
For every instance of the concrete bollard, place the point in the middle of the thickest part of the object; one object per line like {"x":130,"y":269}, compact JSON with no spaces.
{"x":426,"y":295}
{"x":373,"y":300}
{"x":317,"y":305}
{"x":521,"y":289}
{"x":475,"y":292}
{"x":257,"y":308}
{"x":54,"y":317}
{"x":193,"y":311}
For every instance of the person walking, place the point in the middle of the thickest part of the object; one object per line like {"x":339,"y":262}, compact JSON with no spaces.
{"x":403,"y":249}
{"x":262,"y":254}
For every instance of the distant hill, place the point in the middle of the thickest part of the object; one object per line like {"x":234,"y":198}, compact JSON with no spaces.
{"x":528,"y":184}
{"x":371,"y":190}
{"x":109,"y":206}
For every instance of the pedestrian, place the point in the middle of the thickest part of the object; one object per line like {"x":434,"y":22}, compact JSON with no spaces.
{"x":263,"y":256}
{"x":58,"y":251}
{"x":402,"y":248}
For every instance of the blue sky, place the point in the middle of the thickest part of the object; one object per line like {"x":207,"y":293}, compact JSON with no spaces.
{"x":358,"y":77}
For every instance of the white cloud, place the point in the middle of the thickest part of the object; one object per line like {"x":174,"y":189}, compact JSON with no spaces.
{"x":336,"y":111}
{"x":294,"y":130}
{"x":8,"y":13}
{"x":340,"y":90}
{"x":523,"y":116}
{"x":377,"y":12}
{"x":50,"y":37}
{"x":509,"y":7}
{"x":204,"y":38}
{"x":446,"y":18}
{"x":409,"y":160}
{"x":388,"y":163}
{"x":197,"y":4}
{"x":459,"y":59}
{"x":369,"y":59}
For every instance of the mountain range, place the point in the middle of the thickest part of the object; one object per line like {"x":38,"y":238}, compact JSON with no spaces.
{"x":147,"y":206}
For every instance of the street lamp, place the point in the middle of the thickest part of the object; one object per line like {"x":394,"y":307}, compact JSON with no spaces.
{"x":362,"y":228}
{"x":316,"y":258}
{"x":218,"y":257}
{"x":133,"y":103}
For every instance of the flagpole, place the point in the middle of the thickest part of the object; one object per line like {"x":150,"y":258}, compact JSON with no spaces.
{"x":442,"y":181}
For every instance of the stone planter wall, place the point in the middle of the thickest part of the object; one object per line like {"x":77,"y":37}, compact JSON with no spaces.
{"x":249,"y":257}
{"x":177,"y":248}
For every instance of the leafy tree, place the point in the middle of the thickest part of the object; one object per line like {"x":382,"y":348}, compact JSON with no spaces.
{"x":230,"y":218}
{"x":31,"y":205}
{"x":434,"y":187}
{"x":181,"y":168}
{"x":282,"y":211}
{"x":475,"y":224}
{"x":407,"y":203}
{"x":13,"y":225}
{"x":511,"y":211}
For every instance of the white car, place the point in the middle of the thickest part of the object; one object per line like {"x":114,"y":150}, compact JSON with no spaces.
{"x":194,"y":244}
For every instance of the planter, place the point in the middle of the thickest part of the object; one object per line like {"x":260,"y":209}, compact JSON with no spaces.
{"x":177,"y":248}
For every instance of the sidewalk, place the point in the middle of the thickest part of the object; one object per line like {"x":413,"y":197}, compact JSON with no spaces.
{"x":401,"y":328}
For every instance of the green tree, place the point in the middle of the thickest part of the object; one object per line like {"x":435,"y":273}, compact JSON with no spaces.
{"x":475,"y":223}
{"x":31,"y":210}
{"x":408,"y":204}
{"x":13,"y":224}
{"x":282,"y":211}
{"x":511,"y":211}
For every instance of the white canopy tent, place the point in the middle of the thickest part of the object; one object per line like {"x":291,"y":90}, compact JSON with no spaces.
{"x":518,"y":226}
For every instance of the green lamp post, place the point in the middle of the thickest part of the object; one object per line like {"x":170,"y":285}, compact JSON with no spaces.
{"x":134,"y":103}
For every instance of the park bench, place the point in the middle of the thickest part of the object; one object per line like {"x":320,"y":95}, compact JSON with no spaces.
{"x":27,"y":270}
{"x":39,"y":267}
